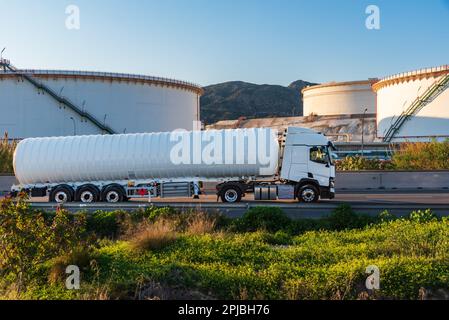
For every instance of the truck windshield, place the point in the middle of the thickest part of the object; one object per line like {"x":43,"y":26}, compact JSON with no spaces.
{"x":320,"y":154}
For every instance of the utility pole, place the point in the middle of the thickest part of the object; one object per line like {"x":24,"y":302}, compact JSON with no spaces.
{"x":363,"y":132}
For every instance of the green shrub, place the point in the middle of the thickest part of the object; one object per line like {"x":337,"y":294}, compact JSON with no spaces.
{"x":263,"y":218}
{"x":408,"y":156}
{"x":385,"y":216}
{"x":107,"y":223}
{"x":344,"y":217}
{"x":422,"y":156}
{"x":357,"y":163}
{"x":28,"y":239}
{"x":422,"y":216}
{"x":155,"y":213}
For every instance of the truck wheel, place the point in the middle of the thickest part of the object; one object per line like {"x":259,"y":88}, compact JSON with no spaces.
{"x":231,"y":194}
{"x":308,"y":194}
{"x":61,"y":194}
{"x":113,"y":194}
{"x":87,"y":194}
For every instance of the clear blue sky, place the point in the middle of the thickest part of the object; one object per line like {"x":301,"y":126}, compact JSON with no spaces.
{"x":211,"y":41}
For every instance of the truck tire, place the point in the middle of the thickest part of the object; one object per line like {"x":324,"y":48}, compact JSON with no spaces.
{"x":61,"y":194}
{"x":87,"y":194}
{"x":113,"y":194}
{"x":231,"y":194}
{"x":308,"y":194}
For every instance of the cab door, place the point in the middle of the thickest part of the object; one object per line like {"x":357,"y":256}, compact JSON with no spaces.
{"x":319,"y":165}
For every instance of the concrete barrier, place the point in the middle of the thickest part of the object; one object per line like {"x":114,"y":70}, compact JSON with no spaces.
{"x":392,"y":180}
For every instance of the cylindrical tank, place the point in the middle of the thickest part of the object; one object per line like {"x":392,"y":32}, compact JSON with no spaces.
{"x":340,"y":98}
{"x":148,"y":156}
{"x":123,"y":102}
{"x":397,"y":94}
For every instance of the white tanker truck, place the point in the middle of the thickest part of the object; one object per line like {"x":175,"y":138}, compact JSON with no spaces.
{"x":115,"y":168}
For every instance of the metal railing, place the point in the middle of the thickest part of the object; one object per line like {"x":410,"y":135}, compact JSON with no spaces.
{"x":26,"y":74}
{"x":420,"y":102}
{"x":124,"y":76}
{"x":416,"y":72}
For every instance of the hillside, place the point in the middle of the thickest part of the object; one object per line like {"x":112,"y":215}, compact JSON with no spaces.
{"x":231,"y":100}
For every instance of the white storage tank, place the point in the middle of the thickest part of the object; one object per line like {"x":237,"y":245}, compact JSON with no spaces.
{"x":122,"y":102}
{"x":340,"y":98}
{"x":182,"y":155}
{"x":398,"y":94}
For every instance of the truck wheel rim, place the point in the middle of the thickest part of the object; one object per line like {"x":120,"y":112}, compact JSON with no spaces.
{"x":231,"y":196}
{"x":112,"y":197}
{"x":308,"y":195}
{"x":61,"y":197}
{"x":87,"y":197}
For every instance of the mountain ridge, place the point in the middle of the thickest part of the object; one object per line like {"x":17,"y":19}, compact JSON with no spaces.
{"x":234,"y":99}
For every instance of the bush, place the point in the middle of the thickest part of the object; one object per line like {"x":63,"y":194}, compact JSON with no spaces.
{"x":271,"y":219}
{"x":6,"y":155}
{"x":107,"y":224}
{"x":409,"y":156}
{"x":422,"y":156}
{"x":344,"y":217}
{"x":358,"y":163}
{"x":422,"y":216}
{"x":28,"y":239}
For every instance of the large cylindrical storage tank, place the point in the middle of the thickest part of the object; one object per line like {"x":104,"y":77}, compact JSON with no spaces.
{"x":125,"y":103}
{"x":397,"y":93}
{"x":340,"y":98}
{"x":147,"y":156}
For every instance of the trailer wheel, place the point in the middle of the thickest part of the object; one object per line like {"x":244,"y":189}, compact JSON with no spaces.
{"x":87,"y":194}
{"x":308,"y":194}
{"x":231,"y":194}
{"x":113,"y":194}
{"x":61,"y":194}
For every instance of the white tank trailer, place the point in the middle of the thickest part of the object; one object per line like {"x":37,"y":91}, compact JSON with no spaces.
{"x":115,"y":168}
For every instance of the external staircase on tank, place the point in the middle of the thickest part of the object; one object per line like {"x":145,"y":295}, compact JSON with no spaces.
{"x":427,"y":97}
{"x":40,"y":86}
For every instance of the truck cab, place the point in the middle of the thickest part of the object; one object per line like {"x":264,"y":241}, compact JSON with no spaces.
{"x":307,"y":163}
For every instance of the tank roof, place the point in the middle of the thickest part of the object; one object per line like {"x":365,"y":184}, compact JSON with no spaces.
{"x":411,"y":75}
{"x":345,"y":83}
{"x":107,"y":76}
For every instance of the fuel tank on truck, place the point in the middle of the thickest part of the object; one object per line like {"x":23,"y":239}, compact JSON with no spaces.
{"x":214,"y":154}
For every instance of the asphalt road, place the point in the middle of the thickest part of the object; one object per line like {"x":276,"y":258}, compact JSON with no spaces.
{"x":367,"y":203}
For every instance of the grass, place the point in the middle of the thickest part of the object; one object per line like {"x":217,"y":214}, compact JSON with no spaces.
{"x":153,"y":235}
{"x":162,"y":254}
{"x":317,"y":265}
{"x":6,"y":155}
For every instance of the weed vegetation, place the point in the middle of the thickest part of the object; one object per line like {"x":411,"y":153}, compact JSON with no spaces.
{"x":163,"y":254}
{"x":409,"y":156}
